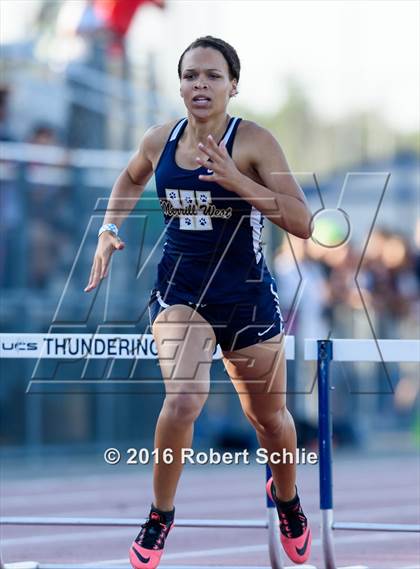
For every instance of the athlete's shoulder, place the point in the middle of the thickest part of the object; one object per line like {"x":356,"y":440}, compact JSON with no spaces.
{"x":156,"y":136}
{"x":252,"y":132}
{"x":253,"y":140}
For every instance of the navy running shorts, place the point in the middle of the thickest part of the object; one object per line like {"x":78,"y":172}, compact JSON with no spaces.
{"x":237,"y":325}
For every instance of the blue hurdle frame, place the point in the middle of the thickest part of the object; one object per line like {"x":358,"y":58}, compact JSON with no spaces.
{"x":325,"y":356}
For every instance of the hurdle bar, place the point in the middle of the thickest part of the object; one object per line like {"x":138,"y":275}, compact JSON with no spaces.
{"x":347,"y":350}
{"x":70,"y":346}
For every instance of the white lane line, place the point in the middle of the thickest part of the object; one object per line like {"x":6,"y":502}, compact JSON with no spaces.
{"x":86,"y":483}
{"x":64,"y":537}
{"x":43,"y":487}
{"x":56,"y":499}
{"x":361,"y":515}
{"x":97,"y":470}
{"x":257,"y":548}
{"x":122,"y":532}
{"x":316,"y":542}
{"x":372,"y":513}
{"x":199,"y":553}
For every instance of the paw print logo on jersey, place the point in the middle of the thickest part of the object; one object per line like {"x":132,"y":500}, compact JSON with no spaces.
{"x":203,"y":198}
{"x":191,"y":203}
{"x":172,"y":197}
{"x":186,"y":222}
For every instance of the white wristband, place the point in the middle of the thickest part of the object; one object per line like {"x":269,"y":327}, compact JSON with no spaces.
{"x":109,"y":227}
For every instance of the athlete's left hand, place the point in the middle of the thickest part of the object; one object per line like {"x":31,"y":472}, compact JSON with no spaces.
{"x":223,"y":167}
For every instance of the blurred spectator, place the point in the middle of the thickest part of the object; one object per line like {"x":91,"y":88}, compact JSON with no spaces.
{"x":5,"y":133}
{"x":340,"y":265}
{"x":44,"y":134}
{"x":10,"y":213}
{"x":391,"y":281}
{"x":394,"y":287}
{"x":417,"y":249}
{"x":303,"y":291}
{"x":50,"y":201}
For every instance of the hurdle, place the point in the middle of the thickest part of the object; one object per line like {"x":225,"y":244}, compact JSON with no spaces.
{"x":347,"y":350}
{"x":53,"y":346}
{"x":322,"y":351}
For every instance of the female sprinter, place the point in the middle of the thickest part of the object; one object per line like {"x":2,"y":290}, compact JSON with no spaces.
{"x":216,"y":177}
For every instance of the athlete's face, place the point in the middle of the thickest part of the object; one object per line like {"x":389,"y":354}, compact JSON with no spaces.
{"x":205,"y":83}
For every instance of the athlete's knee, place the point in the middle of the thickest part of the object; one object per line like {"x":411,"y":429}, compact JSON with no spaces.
{"x":269,"y":424}
{"x":184,"y":407}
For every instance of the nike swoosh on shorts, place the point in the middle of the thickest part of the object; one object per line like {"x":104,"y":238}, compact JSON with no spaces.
{"x":265,"y":331}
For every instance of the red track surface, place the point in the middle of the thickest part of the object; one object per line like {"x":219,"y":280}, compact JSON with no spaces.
{"x":367,"y":489}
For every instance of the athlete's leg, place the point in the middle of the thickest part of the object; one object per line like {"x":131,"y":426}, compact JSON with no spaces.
{"x":258,"y":373}
{"x":185,"y":343}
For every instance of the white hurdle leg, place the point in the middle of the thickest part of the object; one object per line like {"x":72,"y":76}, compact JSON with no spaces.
{"x":327,"y":539}
{"x":274,"y":539}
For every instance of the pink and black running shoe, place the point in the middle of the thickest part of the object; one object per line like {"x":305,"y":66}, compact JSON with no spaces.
{"x":295,"y":533}
{"x":147,"y":549}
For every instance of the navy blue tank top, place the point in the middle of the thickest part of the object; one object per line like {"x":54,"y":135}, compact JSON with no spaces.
{"x":212,"y":251}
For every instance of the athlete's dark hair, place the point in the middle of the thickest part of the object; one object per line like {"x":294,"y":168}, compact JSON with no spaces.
{"x":228,"y":52}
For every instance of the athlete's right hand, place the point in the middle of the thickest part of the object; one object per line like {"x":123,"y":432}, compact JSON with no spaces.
{"x":107,"y":244}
